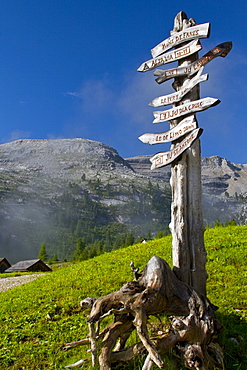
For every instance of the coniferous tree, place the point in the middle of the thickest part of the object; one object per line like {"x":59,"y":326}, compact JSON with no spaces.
{"x":80,"y":253}
{"x":42,"y":253}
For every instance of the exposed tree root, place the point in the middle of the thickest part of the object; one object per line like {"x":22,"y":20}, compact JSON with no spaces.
{"x":156,"y":291}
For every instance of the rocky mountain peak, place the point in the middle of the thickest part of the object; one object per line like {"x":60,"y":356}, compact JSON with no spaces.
{"x":60,"y":157}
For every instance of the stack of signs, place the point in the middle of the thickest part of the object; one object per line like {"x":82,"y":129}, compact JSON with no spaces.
{"x":187,"y":127}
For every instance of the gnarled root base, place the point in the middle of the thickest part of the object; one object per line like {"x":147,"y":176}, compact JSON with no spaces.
{"x":156,"y":291}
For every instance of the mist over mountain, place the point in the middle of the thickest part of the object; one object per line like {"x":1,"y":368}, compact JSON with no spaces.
{"x":56,"y":191}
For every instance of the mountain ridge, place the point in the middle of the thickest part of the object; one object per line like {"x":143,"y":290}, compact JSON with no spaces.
{"x":55,"y":191}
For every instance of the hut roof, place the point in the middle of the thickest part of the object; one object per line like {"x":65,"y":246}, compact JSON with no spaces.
{"x":4,"y":259}
{"x":30,"y":265}
{"x":4,"y":264}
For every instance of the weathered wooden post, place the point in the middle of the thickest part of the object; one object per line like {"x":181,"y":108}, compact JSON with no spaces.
{"x":179,"y":294}
{"x":189,"y":255}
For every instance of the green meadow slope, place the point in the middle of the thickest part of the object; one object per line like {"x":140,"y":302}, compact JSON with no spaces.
{"x":38,"y":318}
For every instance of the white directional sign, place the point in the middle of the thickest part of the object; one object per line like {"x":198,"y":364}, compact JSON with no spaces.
{"x":165,"y":158}
{"x":177,"y":96}
{"x":198,"y":31}
{"x":171,"y":56}
{"x":185,"y":126}
{"x":220,"y":50}
{"x":181,"y":110}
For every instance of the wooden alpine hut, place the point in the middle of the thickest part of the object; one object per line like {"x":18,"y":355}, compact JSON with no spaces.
{"x":29,"y":266}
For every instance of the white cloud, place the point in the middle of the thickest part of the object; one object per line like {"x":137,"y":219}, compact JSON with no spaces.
{"x":128,"y":100}
{"x":16,"y":135}
{"x":137,"y":92}
{"x":75,"y":94}
{"x":95,"y":96}
{"x":54,"y":137}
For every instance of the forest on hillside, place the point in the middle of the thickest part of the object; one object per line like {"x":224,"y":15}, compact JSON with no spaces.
{"x":80,"y":216}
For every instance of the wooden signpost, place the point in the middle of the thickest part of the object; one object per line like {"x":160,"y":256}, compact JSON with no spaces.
{"x":189,"y":255}
{"x":180,"y":293}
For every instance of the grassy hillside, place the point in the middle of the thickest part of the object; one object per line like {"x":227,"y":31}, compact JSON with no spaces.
{"x":38,"y":318}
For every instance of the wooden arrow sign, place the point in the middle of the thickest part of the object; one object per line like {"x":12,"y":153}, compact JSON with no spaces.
{"x":185,"y":126}
{"x":187,"y":108}
{"x":220,"y":50}
{"x":165,"y":158}
{"x":171,"y":56}
{"x":177,"y":96}
{"x":191,"y":33}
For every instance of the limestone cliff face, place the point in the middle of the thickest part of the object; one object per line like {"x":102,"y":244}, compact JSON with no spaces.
{"x":224,"y":190}
{"x":224,"y":186}
{"x":218,"y":173}
{"x":48,"y":188}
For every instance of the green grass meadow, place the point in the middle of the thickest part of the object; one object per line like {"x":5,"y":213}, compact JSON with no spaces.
{"x":39,"y":318}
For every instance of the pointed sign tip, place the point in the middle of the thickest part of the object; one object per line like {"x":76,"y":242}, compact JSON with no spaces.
{"x":143,"y":138}
{"x":215,"y":102}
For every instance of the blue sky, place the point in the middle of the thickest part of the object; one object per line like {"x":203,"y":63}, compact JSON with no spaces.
{"x":68,"y":68}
